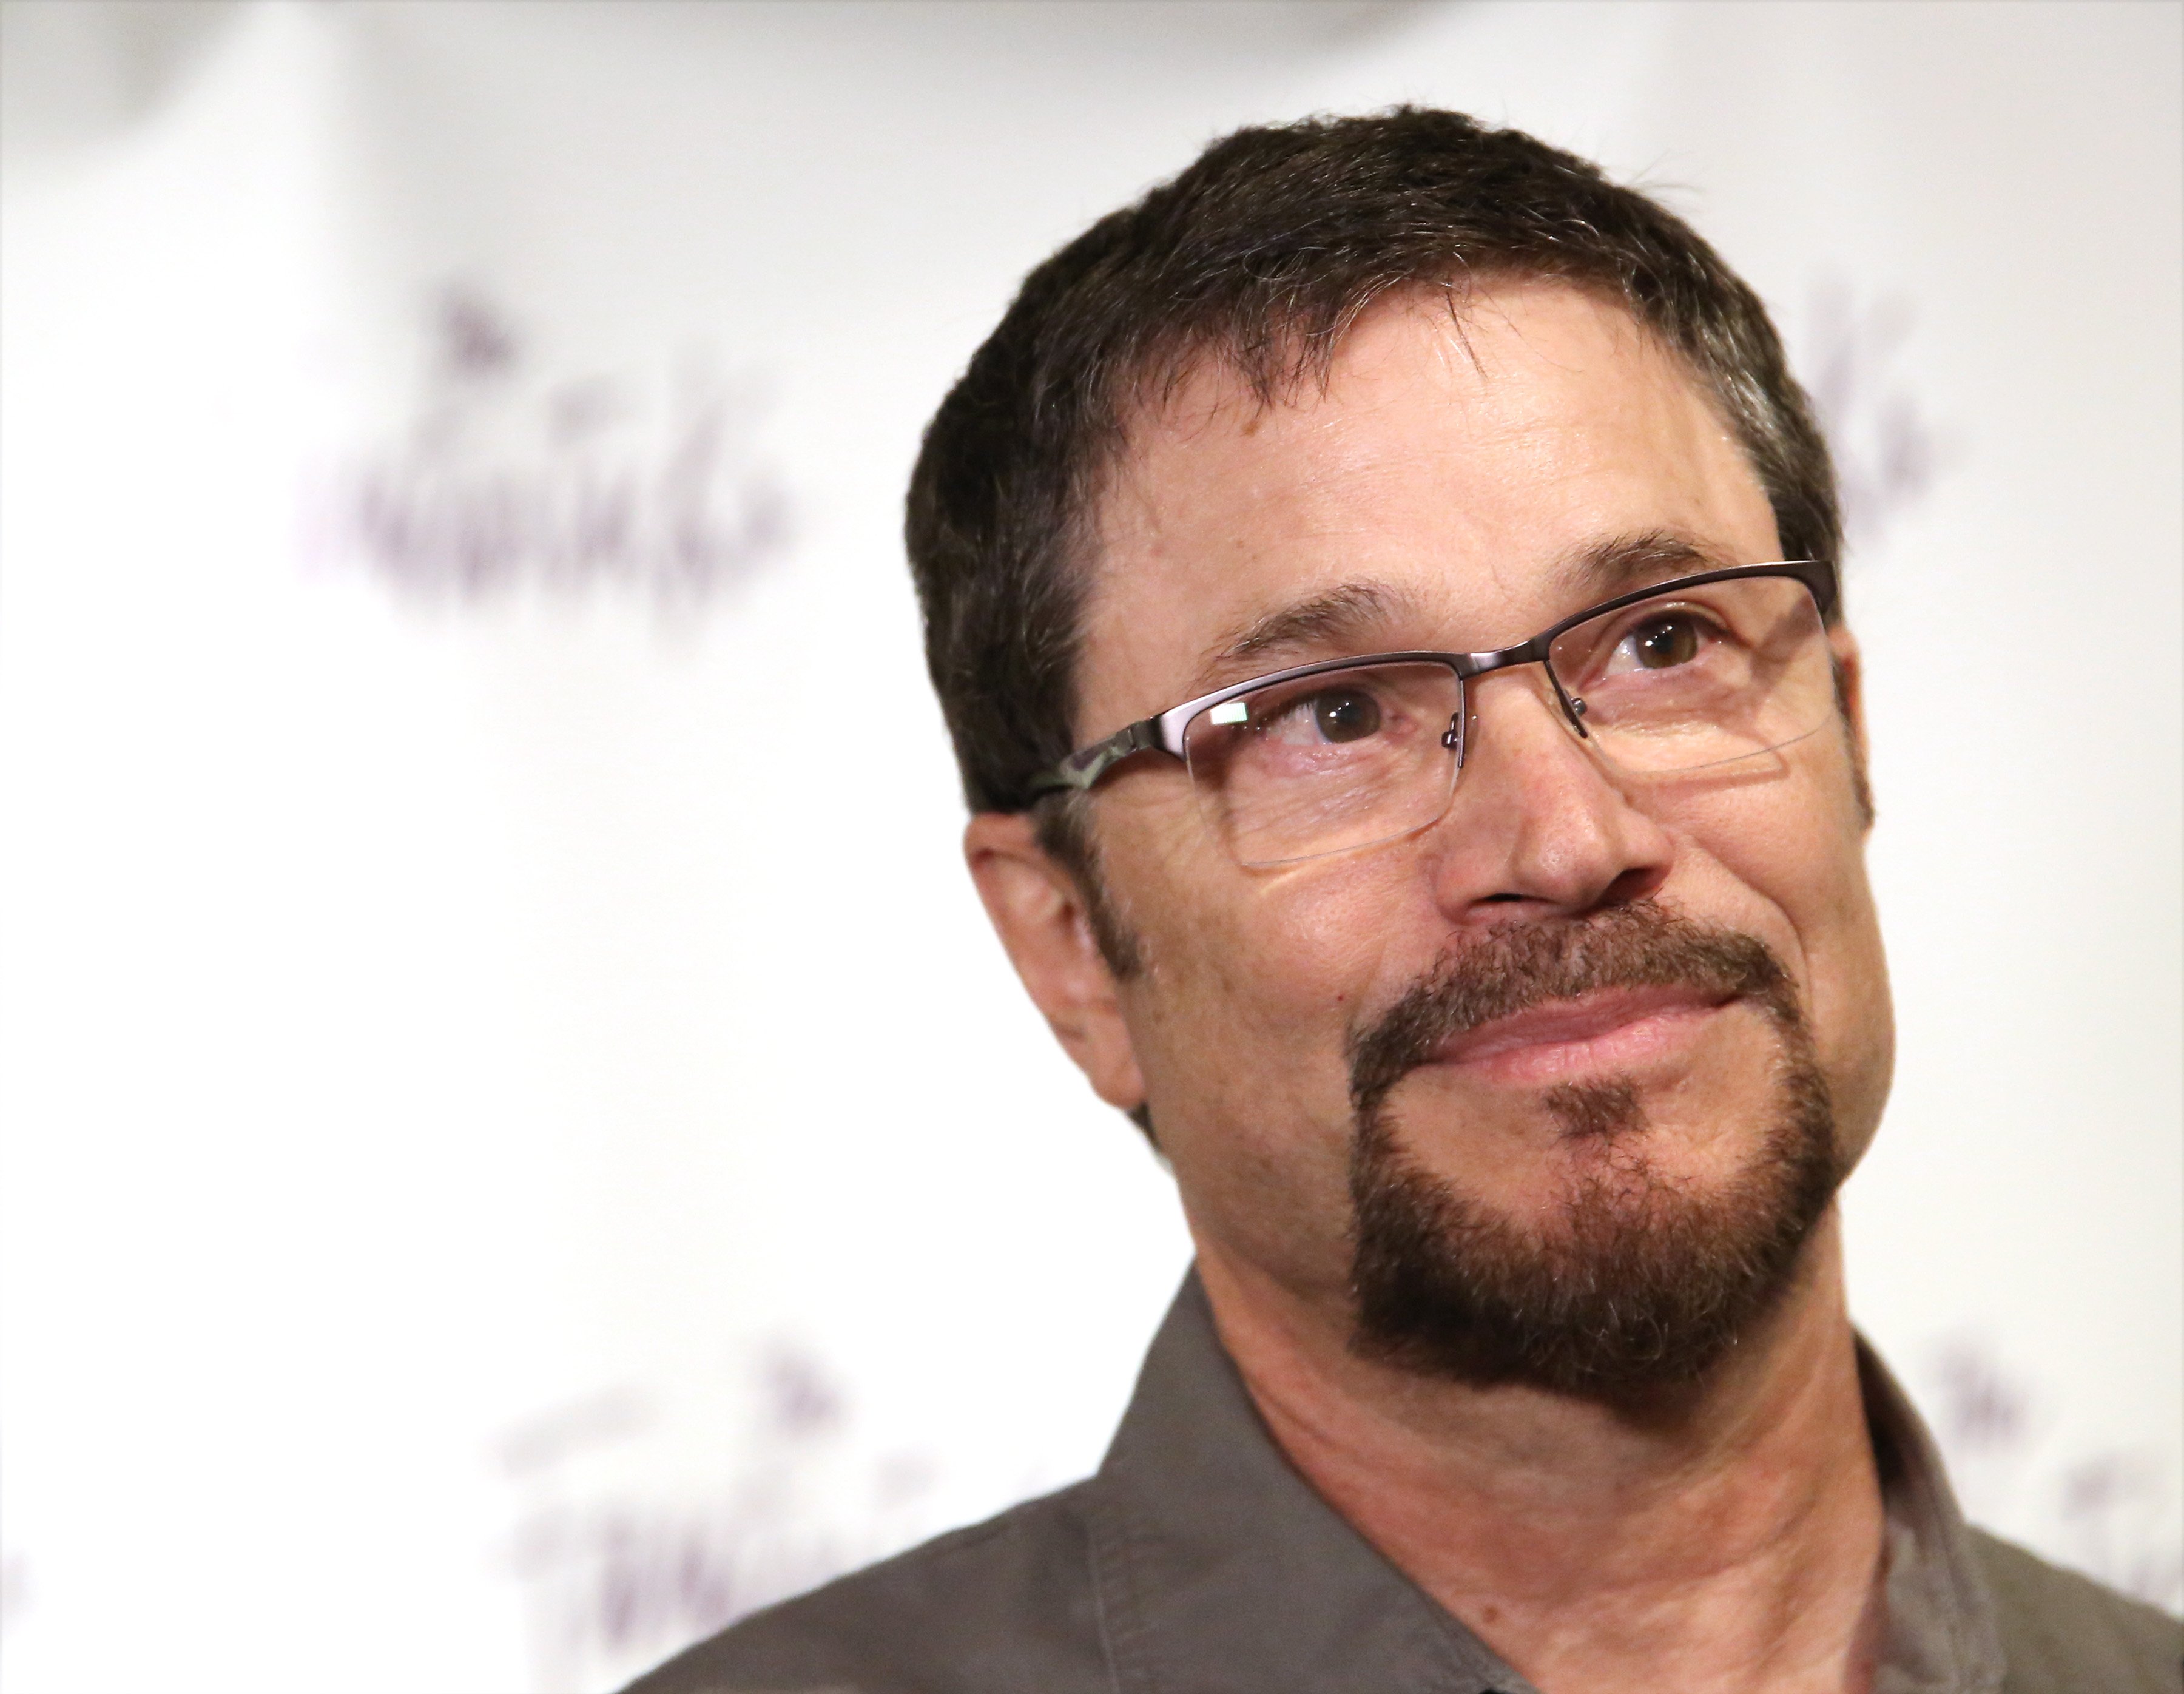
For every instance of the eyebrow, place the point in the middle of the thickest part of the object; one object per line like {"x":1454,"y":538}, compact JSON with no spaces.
{"x":1334,"y":620}
{"x":1601,"y":569}
{"x":1344,"y":616}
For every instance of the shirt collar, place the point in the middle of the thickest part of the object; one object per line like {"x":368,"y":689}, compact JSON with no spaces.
{"x":1941,"y":1635}
{"x":1217,"y":1567}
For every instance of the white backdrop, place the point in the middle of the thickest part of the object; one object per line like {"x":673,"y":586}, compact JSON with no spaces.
{"x":518,"y":1144}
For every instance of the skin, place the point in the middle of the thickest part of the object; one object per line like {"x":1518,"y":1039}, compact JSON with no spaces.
{"x":1724,"y":1536}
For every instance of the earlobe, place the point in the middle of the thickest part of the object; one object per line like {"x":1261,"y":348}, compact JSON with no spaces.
{"x":1046,"y":927}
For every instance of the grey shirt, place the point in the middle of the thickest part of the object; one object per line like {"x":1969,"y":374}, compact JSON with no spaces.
{"x":1196,"y":1561}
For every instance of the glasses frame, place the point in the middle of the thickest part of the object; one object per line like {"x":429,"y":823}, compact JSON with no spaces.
{"x":1163,"y":732}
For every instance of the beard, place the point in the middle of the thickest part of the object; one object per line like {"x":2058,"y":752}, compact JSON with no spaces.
{"x":1631,"y":1282}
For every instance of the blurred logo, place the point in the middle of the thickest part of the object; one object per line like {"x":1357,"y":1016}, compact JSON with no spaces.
{"x":631,"y":1543}
{"x":507,"y":476}
{"x":1888,"y":452}
{"x":2108,"y":1511}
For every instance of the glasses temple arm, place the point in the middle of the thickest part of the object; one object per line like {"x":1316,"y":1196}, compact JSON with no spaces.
{"x":1085,"y":766}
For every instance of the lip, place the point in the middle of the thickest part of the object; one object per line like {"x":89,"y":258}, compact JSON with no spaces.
{"x":1615,"y":1030}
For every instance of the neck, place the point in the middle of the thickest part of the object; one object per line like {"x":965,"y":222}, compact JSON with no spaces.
{"x":1724,"y":1539}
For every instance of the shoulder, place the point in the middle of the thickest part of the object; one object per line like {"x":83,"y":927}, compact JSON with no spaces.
{"x":1005,"y":1604}
{"x":2060,"y":1630}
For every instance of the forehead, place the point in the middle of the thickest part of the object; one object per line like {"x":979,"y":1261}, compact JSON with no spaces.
{"x":1451,"y":470}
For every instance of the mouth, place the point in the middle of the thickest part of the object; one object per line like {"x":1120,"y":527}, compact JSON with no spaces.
{"x":1615,"y":1030}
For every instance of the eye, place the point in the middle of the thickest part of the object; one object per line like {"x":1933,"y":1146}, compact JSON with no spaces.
{"x":1344,"y":713}
{"x":1660,"y":643}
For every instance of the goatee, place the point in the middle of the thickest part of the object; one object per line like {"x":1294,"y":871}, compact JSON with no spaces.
{"x":1632,"y":1283}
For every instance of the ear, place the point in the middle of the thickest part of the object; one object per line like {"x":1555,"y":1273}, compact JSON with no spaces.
{"x":1040,"y":914}
{"x":1850,"y":696}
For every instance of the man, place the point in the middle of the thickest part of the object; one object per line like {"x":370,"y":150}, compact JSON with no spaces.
{"x":1382,"y":589}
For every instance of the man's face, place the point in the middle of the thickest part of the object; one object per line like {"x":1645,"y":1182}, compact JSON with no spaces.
{"x":1436,"y":495}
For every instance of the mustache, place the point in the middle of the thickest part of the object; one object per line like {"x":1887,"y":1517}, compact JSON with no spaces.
{"x":1513,"y":968}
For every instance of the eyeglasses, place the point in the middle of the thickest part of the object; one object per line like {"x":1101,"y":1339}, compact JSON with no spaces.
{"x":1686,"y":675}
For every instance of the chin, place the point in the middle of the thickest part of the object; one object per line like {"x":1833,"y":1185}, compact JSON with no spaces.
{"x":1627,"y":1270}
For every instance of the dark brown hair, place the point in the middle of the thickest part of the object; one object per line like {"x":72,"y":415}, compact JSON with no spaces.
{"x":1261,"y":255}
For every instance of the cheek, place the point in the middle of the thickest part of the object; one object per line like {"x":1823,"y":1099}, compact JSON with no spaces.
{"x":1304,"y":948}
{"x":1240,"y":1023}
{"x":1254,"y":979}
{"x":1791,"y":854}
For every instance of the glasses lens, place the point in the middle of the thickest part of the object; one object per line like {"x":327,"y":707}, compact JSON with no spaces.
{"x":1339,"y":759}
{"x":1701,"y":677}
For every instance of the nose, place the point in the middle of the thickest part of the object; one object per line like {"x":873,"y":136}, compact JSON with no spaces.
{"x":1537,"y":825}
